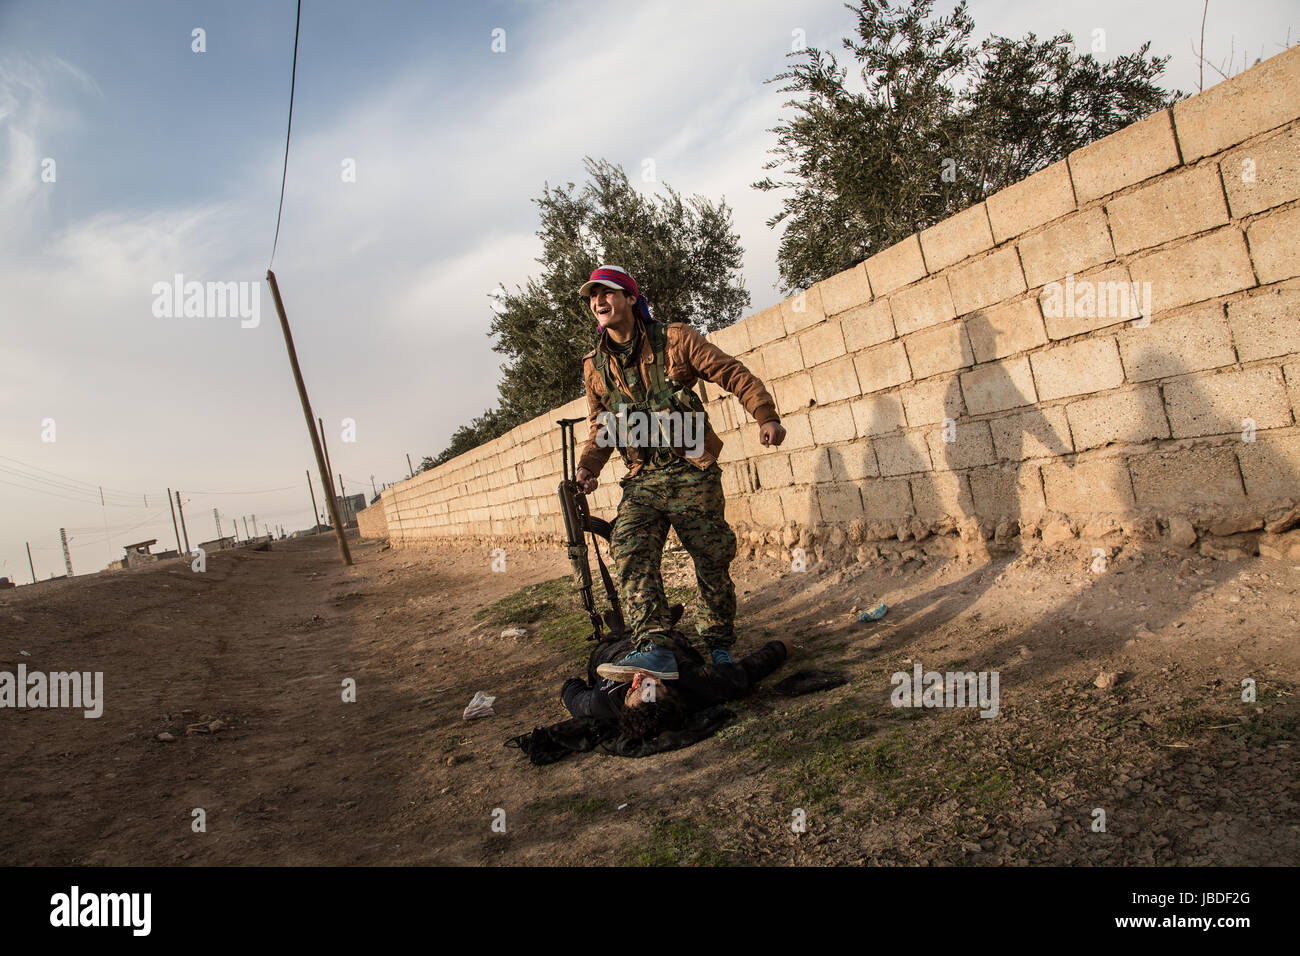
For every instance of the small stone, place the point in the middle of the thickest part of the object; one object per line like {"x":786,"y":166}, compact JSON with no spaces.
{"x":1283,"y":521}
{"x":216,"y":725}
{"x":166,"y":737}
{"x":1181,"y":532}
{"x":1057,"y":532}
{"x":1107,"y":679}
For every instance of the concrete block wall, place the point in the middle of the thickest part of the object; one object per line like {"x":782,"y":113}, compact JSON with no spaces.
{"x":1112,"y":342}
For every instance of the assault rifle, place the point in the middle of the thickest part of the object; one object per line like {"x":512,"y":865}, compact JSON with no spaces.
{"x":578,"y":522}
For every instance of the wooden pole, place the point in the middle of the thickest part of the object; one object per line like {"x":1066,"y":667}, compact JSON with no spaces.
{"x":180,"y":510}
{"x":327,"y":481}
{"x":176,"y":528}
{"x":315,"y":515}
{"x":31,"y":566}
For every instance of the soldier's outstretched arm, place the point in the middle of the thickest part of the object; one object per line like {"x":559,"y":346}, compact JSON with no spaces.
{"x":716,"y":366}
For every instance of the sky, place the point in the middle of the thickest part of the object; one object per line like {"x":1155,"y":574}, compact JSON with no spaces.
{"x":422,"y":133}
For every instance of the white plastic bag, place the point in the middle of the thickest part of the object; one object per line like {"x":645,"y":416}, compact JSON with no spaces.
{"x":480,"y":706}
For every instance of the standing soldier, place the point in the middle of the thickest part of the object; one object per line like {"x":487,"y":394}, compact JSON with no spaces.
{"x":644,"y":369}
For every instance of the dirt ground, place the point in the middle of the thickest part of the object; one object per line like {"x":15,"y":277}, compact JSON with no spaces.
{"x":1184,"y":770}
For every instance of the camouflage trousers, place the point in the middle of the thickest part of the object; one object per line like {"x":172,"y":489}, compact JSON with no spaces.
{"x":691,"y":502}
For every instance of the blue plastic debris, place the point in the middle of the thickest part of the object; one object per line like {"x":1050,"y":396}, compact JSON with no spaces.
{"x":873,"y":613}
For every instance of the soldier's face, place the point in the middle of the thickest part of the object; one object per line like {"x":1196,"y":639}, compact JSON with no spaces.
{"x":611,"y":306}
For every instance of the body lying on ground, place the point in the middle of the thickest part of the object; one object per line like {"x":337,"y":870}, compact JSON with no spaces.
{"x":645,"y":706}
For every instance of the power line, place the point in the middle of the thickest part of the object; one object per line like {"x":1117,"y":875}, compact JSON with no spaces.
{"x":293,"y":77}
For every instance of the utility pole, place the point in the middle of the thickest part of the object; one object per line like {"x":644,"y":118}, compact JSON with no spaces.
{"x":372,"y":486}
{"x":31,"y":566}
{"x":409,"y":467}
{"x":180,"y":509}
{"x":325,"y":446}
{"x":175,"y":528}
{"x":217,"y":518}
{"x":324,"y":470}
{"x":343,"y":492}
{"x":315,"y":515}
{"x":247,"y":536}
{"x":67,"y":558}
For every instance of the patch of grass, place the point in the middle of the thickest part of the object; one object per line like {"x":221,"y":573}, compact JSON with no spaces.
{"x":1266,"y":729}
{"x":680,"y":842}
{"x":552,"y":611}
{"x":573,"y":803}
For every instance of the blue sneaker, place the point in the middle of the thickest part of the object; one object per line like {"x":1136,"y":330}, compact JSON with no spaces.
{"x":656,"y":660}
{"x":721,"y":655}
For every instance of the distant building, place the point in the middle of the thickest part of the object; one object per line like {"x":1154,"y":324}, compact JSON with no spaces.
{"x":138,"y":554}
{"x":349,"y":506}
{"x":217,"y":544}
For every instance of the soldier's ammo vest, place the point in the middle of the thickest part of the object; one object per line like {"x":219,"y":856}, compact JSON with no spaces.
{"x":662,"y":393}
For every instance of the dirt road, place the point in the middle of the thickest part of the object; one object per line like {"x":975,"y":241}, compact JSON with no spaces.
{"x":1183,"y":770}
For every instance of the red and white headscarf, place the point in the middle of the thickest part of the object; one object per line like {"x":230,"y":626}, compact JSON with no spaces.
{"x":618,"y":278}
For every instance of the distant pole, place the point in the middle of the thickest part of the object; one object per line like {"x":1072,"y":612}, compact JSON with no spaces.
{"x":315,"y":515}
{"x":180,"y":510}
{"x":67,"y":557}
{"x":175,"y":527}
{"x":217,"y":518}
{"x":324,"y":471}
{"x":409,"y":466}
{"x":325,"y":446}
{"x":344,"y":493}
{"x":372,"y":486}
{"x":31,"y":566}
{"x":247,"y":536}
{"x":104,"y":511}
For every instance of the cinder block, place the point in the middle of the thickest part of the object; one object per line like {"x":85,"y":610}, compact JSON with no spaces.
{"x":792,"y":393}
{"x":896,"y":266}
{"x":1271,"y":467}
{"x":882,"y":367}
{"x":1291,"y":371}
{"x":1076,"y":243}
{"x":1087,"y":487}
{"x":941,"y":494}
{"x":1093,"y":301}
{"x":941,"y":349}
{"x":736,"y":510}
{"x":999,"y":385}
{"x":1003,"y":330}
{"x":885,"y":500}
{"x":1007,"y":492}
{"x":774,"y":471}
{"x":835,"y":381}
{"x":766,"y":326}
{"x":922,"y":305}
{"x":867,"y":325}
{"x":852,"y":461}
{"x":821,"y":343}
{"x":986,"y":281}
{"x":877,"y":414}
{"x":972,"y":446}
{"x":845,"y":290}
{"x":832,"y":424}
{"x":1266,"y":325}
{"x":1178,"y":479}
{"x":902,"y":454}
{"x":1225,"y":404}
{"x":810,"y":466}
{"x":801,"y":310}
{"x":798,"y":431}
{"x":1180,"y":204}
{"x":956,"y":238}
{"x":1262,"y":175}
{"x":765,"y":509}
{"x":782,"y":358}
{"x":799,"y":505}
{"x":1275,"y":245}
{"x":734,"y":339}
{"x":1174,"y":344}
{"x":1042,"y":197}
{"x":1210,"y":265}
{"x":839,"y":501}
{"x":754,"y":364}
{"x":1091,"y":365}
{"x":1260,"y":99}
{"x":1131,"y":417}
{"x":925,"y":403}
{"x":1135,"y":153}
